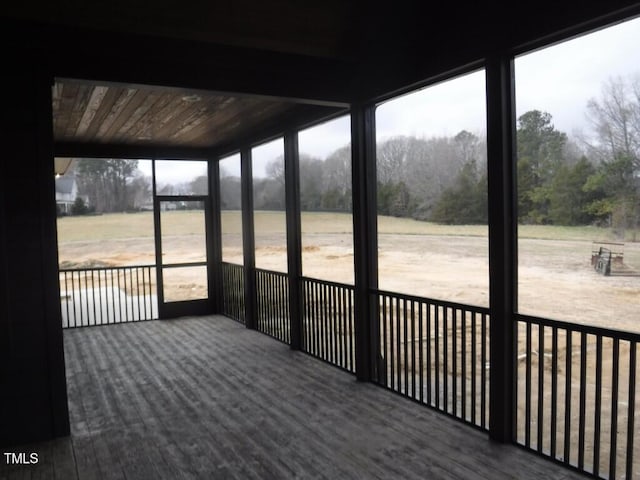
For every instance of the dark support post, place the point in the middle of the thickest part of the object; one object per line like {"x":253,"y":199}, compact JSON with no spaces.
{"x":502,"y":246}
{"x":49,"y":256}
{"x":248,"y":240}
{"x":215,"y":243}
{"x":365,"y":239}
{"x":294,"y":234}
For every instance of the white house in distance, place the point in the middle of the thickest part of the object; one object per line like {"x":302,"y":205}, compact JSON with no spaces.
{"x":66,"y":193}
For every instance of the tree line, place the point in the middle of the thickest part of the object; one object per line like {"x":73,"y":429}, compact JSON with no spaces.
{"x":561,"y":180}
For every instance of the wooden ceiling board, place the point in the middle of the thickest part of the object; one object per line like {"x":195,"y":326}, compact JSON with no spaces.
{"x":85,"y":112}
{"x":77,"y":110}
{"x":143,"y":128}
{"x":181,"y":117}
{"x":67,"y":98}
{"x":149,"y":99}
{"x":105,"y":108}
{"x":125,"y":109}
{"x":110,"y":123}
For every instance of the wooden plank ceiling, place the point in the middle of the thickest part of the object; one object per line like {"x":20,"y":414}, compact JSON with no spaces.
{"x":90,"y":113}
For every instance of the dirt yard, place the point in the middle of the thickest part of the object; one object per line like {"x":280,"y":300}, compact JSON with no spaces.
{"x":556,"y":279}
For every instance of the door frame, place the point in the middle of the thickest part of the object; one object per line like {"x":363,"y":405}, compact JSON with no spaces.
{"x":181,"y":308}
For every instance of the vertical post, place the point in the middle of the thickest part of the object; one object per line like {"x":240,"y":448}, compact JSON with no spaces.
{"x":294,"y":234}
{"x":49,"y":255}
{"x":365,"y":239}
{"x":157,"y":235}
{"x":248,"y":240}
{"x":215,"y":244}
{"x":502,"y":246}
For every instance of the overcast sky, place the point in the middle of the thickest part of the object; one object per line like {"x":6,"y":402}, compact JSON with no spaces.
{"x":560,"y":80}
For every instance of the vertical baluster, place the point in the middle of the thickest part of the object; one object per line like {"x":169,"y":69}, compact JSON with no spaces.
{"x":385,"y":341}
{"x":392,"y":341}
{"x":567,"y":397}
{"x":463,"y":361}
{"x":527,"y":422}
{"x":132,"y":294}
{"x":540,"y":416}
{"x":80,"y":299}
{"x":631,"y":409}
{"x":429,"y":336}
{"x":285,"y":319}
{"x":474,"y":369}
{"x":454,"y":359}
{"x":615,"y":371}
{"x":554,"y":389}
{"x":436,"y":335}
{"x":405,"y":353}
{"x":108,"y":279}
{"x":583,"y":398}
{"x":445,"y":354}
{"x":326,"y":354}
{"x":343,"y":327}
{"x":123,"y":272}
{"x":137,"y":270}
{"x":398,"y":344}
{"x":420,"y":352}
{"x":412,"y":317}
{"x":121,"y":319}
{"x":69,"y":298}
{"x":317,"y":324}
{"x":598,"y":407}
{"x":352,"y":340}
{"x":483,"y":372}
{"x":334,"y":325}
{"x":93,"y":295}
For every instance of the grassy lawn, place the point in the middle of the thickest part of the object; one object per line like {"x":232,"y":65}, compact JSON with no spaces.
{"x":138,"y":225}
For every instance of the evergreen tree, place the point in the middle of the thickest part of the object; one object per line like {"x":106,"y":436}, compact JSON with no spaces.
{"x":540,"y":155}
{"x":569,"y":200}
{"x":465,"y":202}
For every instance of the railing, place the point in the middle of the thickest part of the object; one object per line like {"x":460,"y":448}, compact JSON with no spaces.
{"x":577,"y":395}
{"x":437,"y":353}
{"x":327,"y":326}
{"x":100,"y":296}
{"x":233,"y":291}
{"x":273,"y":304}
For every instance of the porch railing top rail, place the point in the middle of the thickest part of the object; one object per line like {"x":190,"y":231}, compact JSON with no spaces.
{"x":580,"y":328}
{"x":95,"y":269}
{"x":432,"y":301}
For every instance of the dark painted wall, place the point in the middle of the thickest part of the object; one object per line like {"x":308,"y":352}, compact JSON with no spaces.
{"x":33,"y":390}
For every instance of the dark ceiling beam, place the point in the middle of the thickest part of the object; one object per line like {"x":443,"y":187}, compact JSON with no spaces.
{"x":118,"y":150}
{"x":136,"y":59}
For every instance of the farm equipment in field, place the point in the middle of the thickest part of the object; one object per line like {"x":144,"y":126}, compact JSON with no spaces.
{"x":604,"y":254}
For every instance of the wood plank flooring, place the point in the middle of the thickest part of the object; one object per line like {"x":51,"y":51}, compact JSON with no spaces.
{"x":206,"y":398}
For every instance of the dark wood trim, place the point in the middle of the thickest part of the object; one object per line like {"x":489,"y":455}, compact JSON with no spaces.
{"x":215,"y":245}
{"x":248,"y":240}
{"x":430,"y":81}
{"x":97,"y":150}
{"x":503,"y":258}
{"x":49,"y":255}
{"x":171,"y":62}
{"x":587,"y":25}
{"x":294,"y":236}
{"x":365,"y":239}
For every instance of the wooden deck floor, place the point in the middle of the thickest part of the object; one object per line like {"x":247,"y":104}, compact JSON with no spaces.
{"x":206,"y":398}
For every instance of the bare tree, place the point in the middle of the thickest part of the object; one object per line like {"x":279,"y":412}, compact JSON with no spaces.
{"x":615,"y":119}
